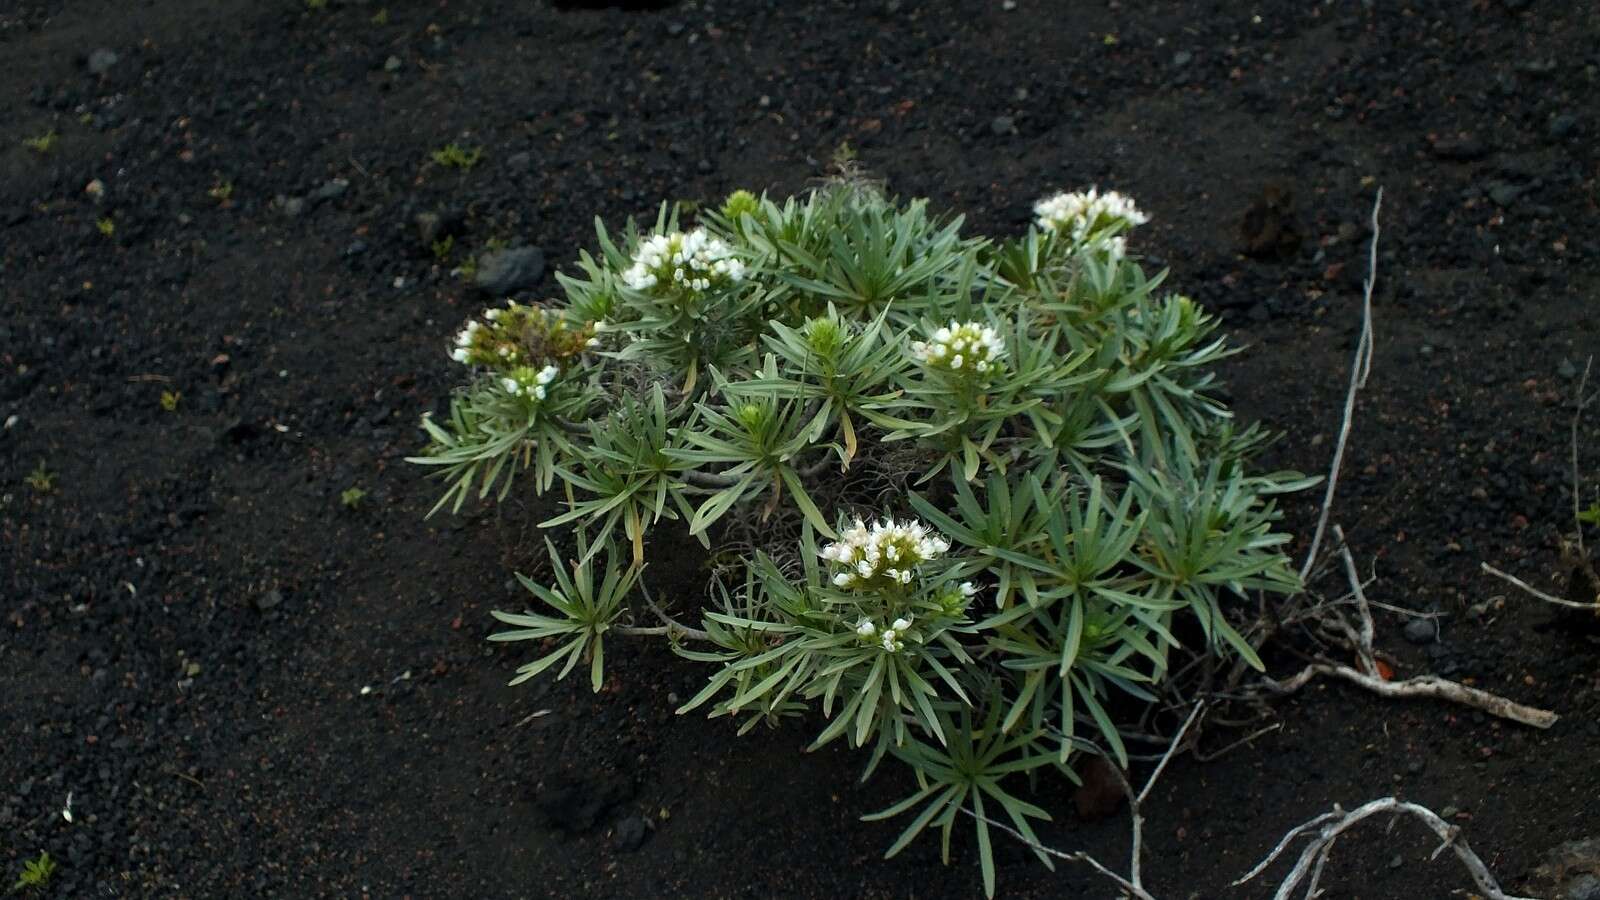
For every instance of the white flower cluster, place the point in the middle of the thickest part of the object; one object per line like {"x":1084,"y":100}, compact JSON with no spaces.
{"x":888,"y":638}
{"x":693,"y":261}
{"x":465,"y":339}
{"x":884,"y":553}
{"x":961,"y":347}
{"x":519,"y":335}
{"x":1080,"y":214}
{"x":525,"y":382}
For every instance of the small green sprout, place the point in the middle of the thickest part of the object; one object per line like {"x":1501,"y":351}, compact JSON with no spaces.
{"x":738,"y":204}
{"x":443,"y":247}
{"x":35,"y":872}
{"x":454,"y":156}
{"x":316,"y":4}
{"x":352,"y":497}
{"x":381,"y":17}
{"x":43,"y":144}
{"x":221,"y":192}
{"x":169,"y":400}
{"x":1590,"y":516}
{"x":496,"y":244}
{"x":41,"y":479}
{"x":106,"y":226}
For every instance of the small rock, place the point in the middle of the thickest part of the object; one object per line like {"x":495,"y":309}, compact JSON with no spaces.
{"x":428,"y":227}
{"x":1504,"y":193}
{"x":1002,"y":126}
{"x":576,"y":805}
{"x":293,"y":207}
{"x":509,"y":271}
{"x":1396,"y":861}
{"x":1422,"y":631}
{"x":392,"y":64}
{"x":1562,"y":126}
{"x":269,"y":600}
{"x":1101,"y":793}
{"x":101,"y":61}
{"x":1269,"y":228}
{"x":333,"y":190}
{"x":1570,"y":871}
{"x":437,"y":225}
{"x":1463,"y":148}
{"x":1567,"y":369}
{"x":1182,"y":58}
{"x":631,"y":833}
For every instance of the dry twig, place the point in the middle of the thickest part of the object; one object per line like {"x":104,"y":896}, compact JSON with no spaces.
{"x":1535,"y":592}
{"x":1430,"y":686}
{"x":1330,"y":825}
{"x":1419,"y":686}
{"x":1360,"y":368}
{"x":1577,"y":416}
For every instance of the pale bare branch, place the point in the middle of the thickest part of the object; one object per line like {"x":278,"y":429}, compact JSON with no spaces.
{"x":1360,"y":369}
{"x":1329,"y":826}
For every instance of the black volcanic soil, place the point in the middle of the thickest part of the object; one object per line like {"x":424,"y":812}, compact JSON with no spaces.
{"x":192,"y":619}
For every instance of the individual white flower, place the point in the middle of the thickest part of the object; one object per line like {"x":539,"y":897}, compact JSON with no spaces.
{"x":901,"y":624}
{"x":962,"y":348}
{"x":524,"y":381}
{"x":1080,"y":214}
{"x":968,"y":589}
{"x":688,"y":262}
{"x":883,"y":554}
{"x":459,"y":354}
{"x":866,"y":629}
{"x":891,"y":641}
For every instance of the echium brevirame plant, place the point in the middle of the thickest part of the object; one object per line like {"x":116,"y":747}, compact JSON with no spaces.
{"x":1075,"y":498}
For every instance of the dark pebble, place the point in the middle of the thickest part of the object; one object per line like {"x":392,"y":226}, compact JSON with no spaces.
{"x":101,"y":61}
{"x":1422,"y":631}
{"x":1563,"y":126}
{"x":631,"y":833}
{"x":509,"y":271}
{"x":1461,"y":149}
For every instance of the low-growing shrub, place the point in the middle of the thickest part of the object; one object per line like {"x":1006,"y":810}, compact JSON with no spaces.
{"x":981,"y":487}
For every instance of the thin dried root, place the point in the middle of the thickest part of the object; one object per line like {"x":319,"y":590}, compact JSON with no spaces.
{"x":1329,"y":826}
{"x":1430,"y":686}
